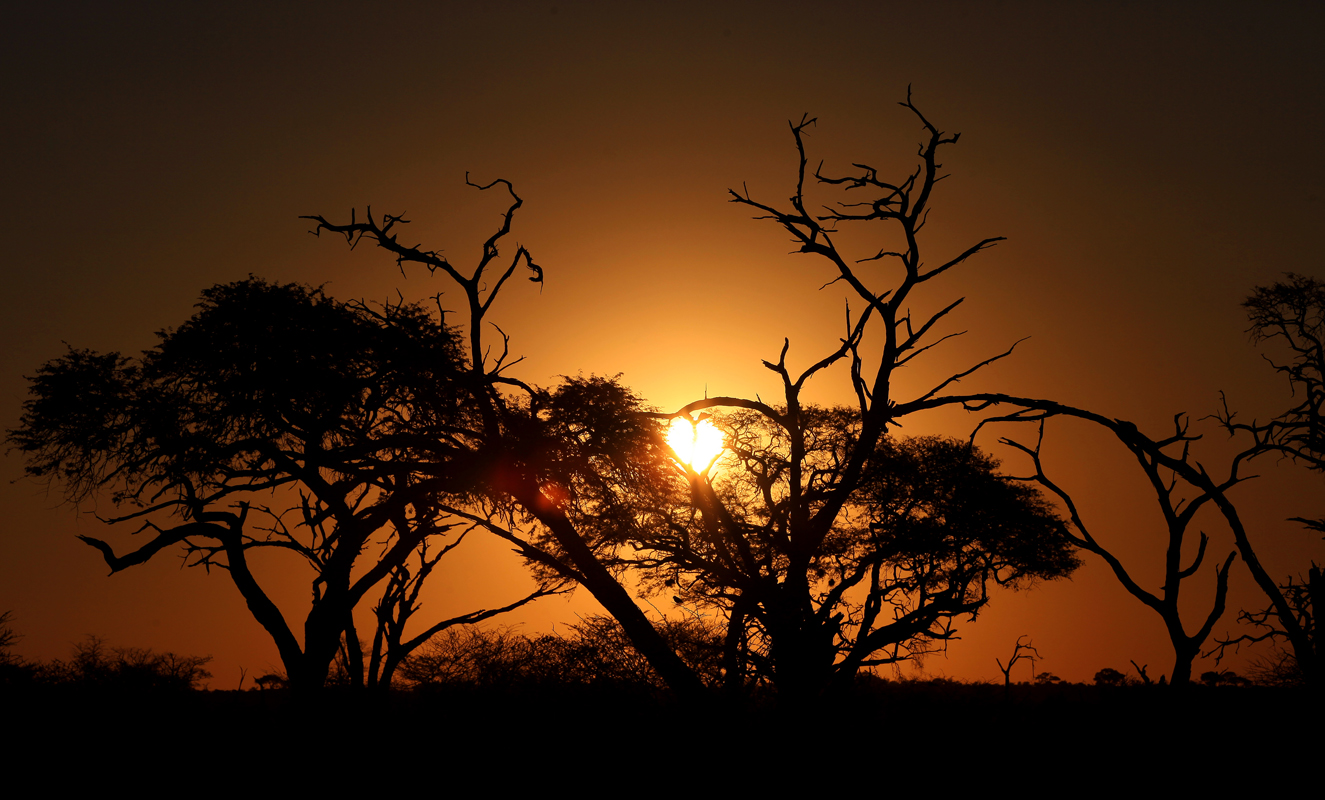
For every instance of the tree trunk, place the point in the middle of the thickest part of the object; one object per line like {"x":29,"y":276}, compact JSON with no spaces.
{"x":616,"y":600}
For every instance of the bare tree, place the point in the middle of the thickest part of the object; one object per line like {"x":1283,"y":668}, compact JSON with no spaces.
{"x":1178,"y":514}
{"x":1182,"y":485}
{"x":400,"y":602}
{"x":1020,"y":652}
{"x":803,"y":534}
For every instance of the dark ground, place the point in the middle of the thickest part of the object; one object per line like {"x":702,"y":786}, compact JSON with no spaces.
{"x":580,"y":738}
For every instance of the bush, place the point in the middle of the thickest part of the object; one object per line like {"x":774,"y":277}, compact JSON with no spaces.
{"x":125,"y":669}
{"x":597,"y":652}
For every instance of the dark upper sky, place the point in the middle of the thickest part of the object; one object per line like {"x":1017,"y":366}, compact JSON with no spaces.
{"x":1149,"y":166}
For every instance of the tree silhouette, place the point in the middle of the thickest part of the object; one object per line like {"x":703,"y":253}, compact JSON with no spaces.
{"x":14,"y":670}
{"x":1020,"y":652}
{"x":817,"y":499}
{"x":580,"y":471}
{"x":1290,"y":313}
{"x":270,"y":421}
{"x":279,"y":419}
{"x":95,"y":665}
{"x":1178,"y":513}
{"x":833,"y":546}
{"x":8,"y":638}
{"x":1110,"y":677}
{"x":929,"y":528}
{"x":558,"y":466}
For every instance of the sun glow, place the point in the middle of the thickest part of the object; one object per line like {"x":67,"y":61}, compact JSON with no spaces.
{"x":697,"y":444}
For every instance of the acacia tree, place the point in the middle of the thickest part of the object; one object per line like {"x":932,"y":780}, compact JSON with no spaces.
{"x":838,"y":546}
{"x":557,"y":466}
{"x":930,"y":527}
{"x":818,"y":499}
{"x":578,"y":472}
{"x":268,"y":421}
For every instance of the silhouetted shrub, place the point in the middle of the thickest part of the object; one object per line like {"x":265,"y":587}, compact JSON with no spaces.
{"x":1224,"y":678}
{"x":13,"y":669}
{"x":1111,"y":677}
{"x":271,"y":681}
{"x":596,"y":652}
{"x":1279,"y":668}
{"x":94,"y":665}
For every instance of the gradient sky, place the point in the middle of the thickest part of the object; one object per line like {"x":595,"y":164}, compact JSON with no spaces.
{"x":1148,"y":165}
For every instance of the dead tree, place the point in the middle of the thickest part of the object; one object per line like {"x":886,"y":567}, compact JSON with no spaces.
{"x":1019,"y":652}
{"x":1178,"y":514}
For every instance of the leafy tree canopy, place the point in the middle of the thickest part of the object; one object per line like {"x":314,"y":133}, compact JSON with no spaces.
{"x":275,"y":394}
{"x":930,"y":526}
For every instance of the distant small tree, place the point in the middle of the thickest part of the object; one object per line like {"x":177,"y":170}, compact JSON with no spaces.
{"x":1276,"y":668}
{"x":1020,"y":652}
{"x":14,"y":670}
{"x":1111,"y":677}
{"x":1223,"y":678}
{"x":470,"y":656}
{"x":8,"y":638}
{"x":270,"y":681}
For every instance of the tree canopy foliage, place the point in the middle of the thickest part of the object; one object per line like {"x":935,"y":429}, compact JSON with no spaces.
{"x":930,"y":527}
{"x":828,"y":544}
{"x":586,"y":490}
{"x":369,"y":441}
{"x":274,"y":419}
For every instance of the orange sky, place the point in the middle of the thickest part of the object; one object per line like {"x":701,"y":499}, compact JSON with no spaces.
{"x":1149,"y":167}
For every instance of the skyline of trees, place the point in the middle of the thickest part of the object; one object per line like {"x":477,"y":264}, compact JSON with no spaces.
{"x":560,"y":472}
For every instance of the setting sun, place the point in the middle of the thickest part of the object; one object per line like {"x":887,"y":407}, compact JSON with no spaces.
{"x":697,"y":444}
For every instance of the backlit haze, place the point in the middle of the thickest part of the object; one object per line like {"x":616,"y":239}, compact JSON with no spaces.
{"x":1148,"y":164}
{"x":696,"y":443}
